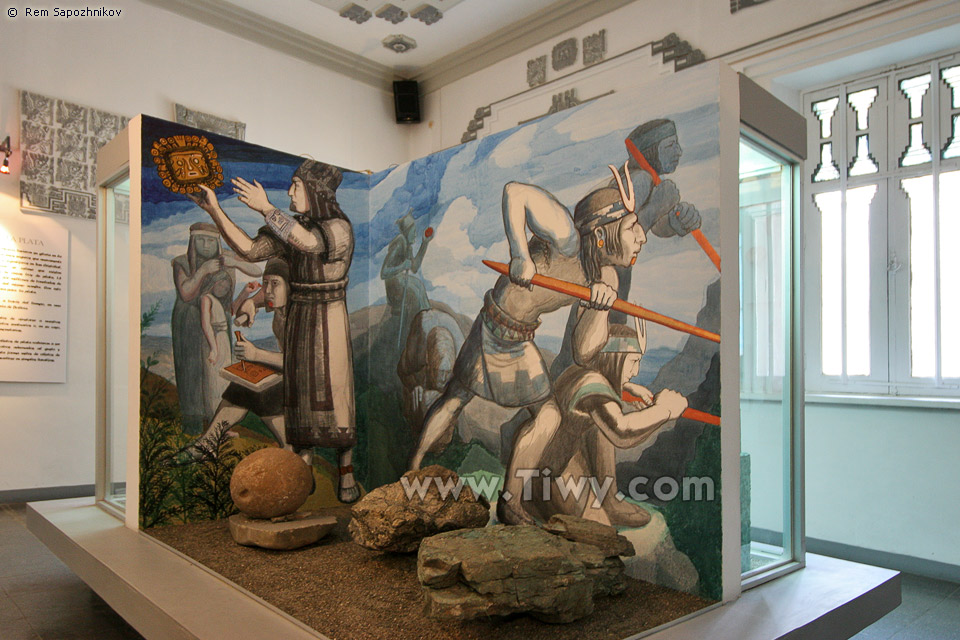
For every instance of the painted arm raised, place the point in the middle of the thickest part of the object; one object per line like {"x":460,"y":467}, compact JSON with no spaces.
{"x":526,"y":206}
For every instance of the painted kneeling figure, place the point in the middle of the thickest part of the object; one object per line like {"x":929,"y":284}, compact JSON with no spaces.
{"x":237,"y":400}
{"x":595,"y":423}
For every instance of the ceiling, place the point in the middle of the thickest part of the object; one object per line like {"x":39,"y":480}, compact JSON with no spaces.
{"x":433,"y":41}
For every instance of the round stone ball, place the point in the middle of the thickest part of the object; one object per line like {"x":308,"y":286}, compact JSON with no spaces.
{"x":270,"y":483}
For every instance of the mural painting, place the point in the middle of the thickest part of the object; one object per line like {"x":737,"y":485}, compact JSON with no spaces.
{"x":537,"y":311}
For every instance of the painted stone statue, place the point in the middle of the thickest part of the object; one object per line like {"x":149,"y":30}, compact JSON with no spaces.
{"x":204,"y":278}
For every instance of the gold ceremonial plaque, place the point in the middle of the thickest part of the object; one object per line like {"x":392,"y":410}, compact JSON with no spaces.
{"x":186,"y":162}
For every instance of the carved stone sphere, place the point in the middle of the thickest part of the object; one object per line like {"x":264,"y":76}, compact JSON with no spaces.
{"x":270,"y":483}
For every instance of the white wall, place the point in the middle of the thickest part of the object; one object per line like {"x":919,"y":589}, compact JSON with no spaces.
{"x":885,"y":478}
{"x":706,"y":24}
{"x":879,"y":478}
{"x":143,"y":63}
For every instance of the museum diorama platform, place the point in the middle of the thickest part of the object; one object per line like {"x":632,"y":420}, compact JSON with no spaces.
{"x":388,"y":330}
{"x":165,"y":595}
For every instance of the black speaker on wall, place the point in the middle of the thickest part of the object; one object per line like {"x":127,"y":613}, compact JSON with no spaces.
{"x":406,"y":101}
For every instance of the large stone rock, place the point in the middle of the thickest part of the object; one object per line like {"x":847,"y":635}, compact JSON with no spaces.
{"x":283,"y":534}
{"x":602,"y":536}
{"x":395,"y":517}
{"x":270,"y":483}
{"x":658,"y":560}
{"x":501,"y":570}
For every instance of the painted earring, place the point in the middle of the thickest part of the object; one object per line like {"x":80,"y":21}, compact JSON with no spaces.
{"x":633,"y":260}
{"x":600,"y":242}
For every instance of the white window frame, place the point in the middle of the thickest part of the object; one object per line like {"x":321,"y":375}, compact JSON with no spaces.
{"x":889,"y":230}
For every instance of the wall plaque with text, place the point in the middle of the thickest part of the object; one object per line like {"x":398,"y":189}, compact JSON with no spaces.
{"x":33,"y":300}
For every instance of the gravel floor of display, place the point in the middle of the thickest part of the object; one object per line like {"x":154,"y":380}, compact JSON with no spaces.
{"x":347,"y":592}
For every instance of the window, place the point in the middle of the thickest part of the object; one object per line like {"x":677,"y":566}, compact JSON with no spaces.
{"x":882,"y":211}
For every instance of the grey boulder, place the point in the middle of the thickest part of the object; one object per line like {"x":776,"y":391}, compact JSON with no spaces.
{"x":395,"y":517}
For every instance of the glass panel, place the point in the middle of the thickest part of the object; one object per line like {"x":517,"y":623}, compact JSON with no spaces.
{"x":923,"y":298}
{"x":831,"y":287}
{"x":949,"y":215}
{"x":863,"y":164}
{"x":765,"y":228}
{"x":857,"y":266}
{"x":951,"y":76}
{"x":861,"y":101}
{"x":827,"y":169}
{"x":914,"y":89}
{"x":118,"y":340}
{"x":825,"y":110}
{"x":917,"y":152}
{"x":952,"y":150}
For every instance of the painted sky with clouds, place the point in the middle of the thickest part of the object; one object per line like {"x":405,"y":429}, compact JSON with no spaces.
{"x":458,"y":192}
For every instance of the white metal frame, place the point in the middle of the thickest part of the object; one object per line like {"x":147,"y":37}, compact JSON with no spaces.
{"x":118,"y":159}
{"x":794,"y":534}
{"x":890,"y":225}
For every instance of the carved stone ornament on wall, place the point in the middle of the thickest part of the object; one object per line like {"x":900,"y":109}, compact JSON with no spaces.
{"x":427,"y":14}
{"x":212,"y":123}
{"x":564,"y":54}
{"x":59,"y":141}
{"x":392,"y":13}
{"x":680,"y":52}
{"x":355,"y":13}
{"x":537,"y":71}
{"x":594,"y":48}
{"x":736,"y":5}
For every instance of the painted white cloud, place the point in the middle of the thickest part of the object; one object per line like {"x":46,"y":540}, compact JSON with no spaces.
{"x":454,"y":267}
{"x":515,"y":149}
{"x":156,"y":274}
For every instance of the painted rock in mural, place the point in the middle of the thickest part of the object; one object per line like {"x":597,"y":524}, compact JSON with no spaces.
{"x":270,"y":483}
{"x":396,"y":517}
{"x":502,"y":570}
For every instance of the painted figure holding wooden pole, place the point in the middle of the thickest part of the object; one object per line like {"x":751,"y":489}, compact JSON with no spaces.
{"x":499,"y":360}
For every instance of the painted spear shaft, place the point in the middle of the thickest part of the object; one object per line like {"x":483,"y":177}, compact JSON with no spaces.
{"x":583,"y":293}
{"x":696,"y":233}
{"x":689,"y":414}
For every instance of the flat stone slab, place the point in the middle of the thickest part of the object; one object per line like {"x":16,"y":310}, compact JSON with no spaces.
{"x":602,"y":536}
{"x":299,"y":531}
{"x":501,"y":570}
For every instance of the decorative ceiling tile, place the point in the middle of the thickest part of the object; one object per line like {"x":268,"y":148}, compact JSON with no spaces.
{"x":392,"y":13}
{"x":427,"y":14}
{"x":356,"y":13}
{"x":399,"y":43}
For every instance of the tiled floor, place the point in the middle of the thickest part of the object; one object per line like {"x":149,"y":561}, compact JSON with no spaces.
{"x":40,"y":598}
{"x":930,"y":611}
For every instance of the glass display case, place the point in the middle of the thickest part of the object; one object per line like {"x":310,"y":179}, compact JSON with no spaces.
{"x":738,"y":170}
{"x":771,"y":388}
{"x":118,"y":342}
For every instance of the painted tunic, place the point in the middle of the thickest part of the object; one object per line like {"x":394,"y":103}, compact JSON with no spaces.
{"x":319,"y":408}
{"x":499,"y":360}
